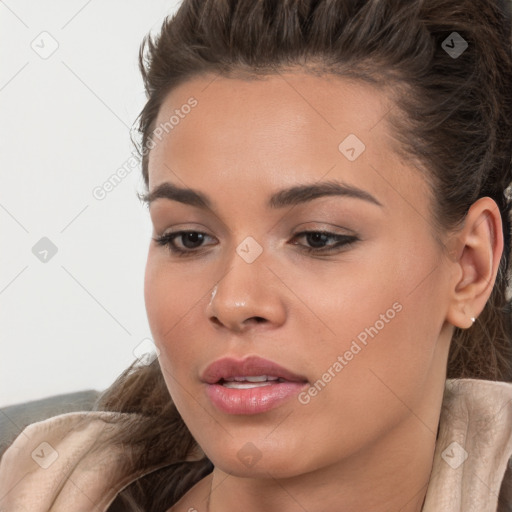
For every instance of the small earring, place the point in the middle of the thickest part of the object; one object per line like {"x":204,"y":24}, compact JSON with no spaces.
{"x":473,"y":319}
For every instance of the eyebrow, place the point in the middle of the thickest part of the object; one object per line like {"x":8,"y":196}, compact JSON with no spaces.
{"x":292,"y":196}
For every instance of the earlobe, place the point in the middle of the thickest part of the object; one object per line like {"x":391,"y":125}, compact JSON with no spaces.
{"x":475,"y":262}
{"x":460,"y":317}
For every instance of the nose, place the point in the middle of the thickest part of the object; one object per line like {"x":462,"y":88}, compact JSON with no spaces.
{"x":249,"y":294}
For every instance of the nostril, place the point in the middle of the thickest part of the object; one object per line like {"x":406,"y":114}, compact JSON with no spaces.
{"x":215,"y":320}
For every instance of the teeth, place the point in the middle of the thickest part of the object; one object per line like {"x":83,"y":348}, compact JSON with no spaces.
{"x":255,"y":381}
{"x":246,"y":385}
{"x":255,"y":378}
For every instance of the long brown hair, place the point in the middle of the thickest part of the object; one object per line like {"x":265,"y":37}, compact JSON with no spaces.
{"x":452,"y":120}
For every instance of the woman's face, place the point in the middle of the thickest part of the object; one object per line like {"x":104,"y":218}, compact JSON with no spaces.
{"x":360,"y":321}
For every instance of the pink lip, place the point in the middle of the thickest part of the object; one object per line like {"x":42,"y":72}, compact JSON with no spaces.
{"x":254,"y":400}
{"x":251,"y":366}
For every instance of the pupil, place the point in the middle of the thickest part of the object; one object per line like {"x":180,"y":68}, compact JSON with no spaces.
{"x":313,"y":237}
{"x":189,"y":236}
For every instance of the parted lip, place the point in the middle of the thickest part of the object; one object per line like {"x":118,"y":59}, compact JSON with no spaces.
{"x":252,"y":366}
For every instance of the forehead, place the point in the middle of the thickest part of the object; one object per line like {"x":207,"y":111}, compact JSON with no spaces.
{"x":279,"y":107}
{"x":281,"y":129}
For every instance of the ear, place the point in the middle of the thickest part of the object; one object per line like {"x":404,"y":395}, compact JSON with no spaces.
{"x":475,"y":262}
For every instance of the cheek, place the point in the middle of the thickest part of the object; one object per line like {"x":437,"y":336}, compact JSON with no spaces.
{"x":159,"y":297}
{"x":170,"y":294}
{"x":169,"y":298}
{"x":174,"y":298}
{"x":385,"y":319}
{"x":164,"y":309}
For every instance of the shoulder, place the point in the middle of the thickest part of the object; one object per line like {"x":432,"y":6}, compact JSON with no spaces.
{"x":35,"y":468}
{"x":484,"y":408}
{"x":17,"y":416}
{"x":483,"y":404}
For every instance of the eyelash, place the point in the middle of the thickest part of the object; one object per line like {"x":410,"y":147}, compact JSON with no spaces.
{"x":168,"y":240}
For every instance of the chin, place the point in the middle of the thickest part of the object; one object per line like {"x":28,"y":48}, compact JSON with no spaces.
{"x":245,"y":459}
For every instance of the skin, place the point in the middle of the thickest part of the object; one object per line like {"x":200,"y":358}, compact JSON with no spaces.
{"x":366,"y":441}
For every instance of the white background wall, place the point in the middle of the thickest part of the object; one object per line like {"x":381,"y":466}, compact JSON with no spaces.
{"x":72,"y":322}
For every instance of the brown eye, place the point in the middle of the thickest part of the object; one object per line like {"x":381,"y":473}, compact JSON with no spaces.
{"x":191,"y":240}
{"x":319,"y":239}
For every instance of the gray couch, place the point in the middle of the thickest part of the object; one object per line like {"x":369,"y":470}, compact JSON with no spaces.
{"x":14,"y":418}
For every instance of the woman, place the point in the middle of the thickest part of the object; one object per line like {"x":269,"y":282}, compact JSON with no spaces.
{"x":327,"y":281}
